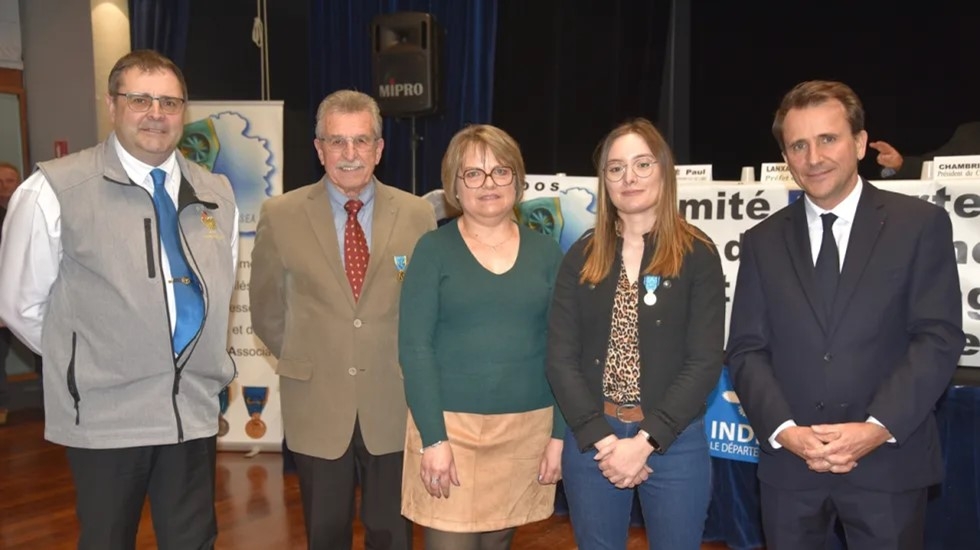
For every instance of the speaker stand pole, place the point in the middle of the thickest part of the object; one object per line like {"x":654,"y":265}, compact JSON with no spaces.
{"x":414,"y":145}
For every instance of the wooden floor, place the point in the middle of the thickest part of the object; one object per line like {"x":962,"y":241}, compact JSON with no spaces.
{"x":257,"y":506}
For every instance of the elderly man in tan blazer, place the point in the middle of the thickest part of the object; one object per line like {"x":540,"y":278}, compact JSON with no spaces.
{"x":326,"y":278}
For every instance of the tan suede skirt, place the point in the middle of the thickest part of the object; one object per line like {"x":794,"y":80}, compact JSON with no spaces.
{"x":497,"y":458}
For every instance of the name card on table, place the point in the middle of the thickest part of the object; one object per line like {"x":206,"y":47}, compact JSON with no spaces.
{"x":776,"y":172}
{"x":958,"y":167}
{"x":693,"y":172}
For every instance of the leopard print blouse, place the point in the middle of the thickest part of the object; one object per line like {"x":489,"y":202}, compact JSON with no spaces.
{"x":621,"y":378}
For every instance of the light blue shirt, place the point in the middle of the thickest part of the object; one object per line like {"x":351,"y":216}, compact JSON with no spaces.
{"x":365,"y":216}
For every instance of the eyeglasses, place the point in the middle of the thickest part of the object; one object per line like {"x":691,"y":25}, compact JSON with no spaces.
{"x":642,"y":167}
{"x":338,"y":143}
{"x":140,"y":103}
{"x":474,"y":178}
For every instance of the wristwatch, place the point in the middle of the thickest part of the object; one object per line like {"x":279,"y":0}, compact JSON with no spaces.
{"x":653,"y":442}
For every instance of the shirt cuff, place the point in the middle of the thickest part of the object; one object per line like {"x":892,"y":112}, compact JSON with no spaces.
{"x":874,"y":420}
{"x":779,"y":430}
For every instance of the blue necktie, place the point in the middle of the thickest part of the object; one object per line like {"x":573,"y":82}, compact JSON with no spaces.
{"x":187,"y":293}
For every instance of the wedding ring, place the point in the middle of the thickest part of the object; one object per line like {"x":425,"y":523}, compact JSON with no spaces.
{"x":434,"y":481}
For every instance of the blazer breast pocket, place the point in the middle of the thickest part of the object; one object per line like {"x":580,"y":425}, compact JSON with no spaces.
{"x":295,"y":369}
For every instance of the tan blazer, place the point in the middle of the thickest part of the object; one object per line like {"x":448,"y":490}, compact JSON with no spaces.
{"x":337,"y":360}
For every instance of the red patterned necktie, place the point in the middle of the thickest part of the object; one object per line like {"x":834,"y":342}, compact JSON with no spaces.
{"x":356,"y":253}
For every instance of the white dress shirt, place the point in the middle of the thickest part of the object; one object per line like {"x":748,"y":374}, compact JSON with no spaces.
{"x":29,"y":260}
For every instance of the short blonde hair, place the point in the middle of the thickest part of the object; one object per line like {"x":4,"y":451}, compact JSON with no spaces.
{"x":481,"y":137}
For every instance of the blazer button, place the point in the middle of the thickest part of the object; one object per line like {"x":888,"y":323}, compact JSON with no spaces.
{"x":828,"y":356}
{"x":352,"y":371}
{"x":357,"y":323}
{"x":667,"y":283}
{"x":597,"y":361}
{"x":820,"y":406}
{"x":659,"y":322}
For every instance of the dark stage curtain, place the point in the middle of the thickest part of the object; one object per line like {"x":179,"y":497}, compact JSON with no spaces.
{"x":340,"y":57}
{"x":160,"y":25}
{"x":953,"y":515}
{"x":565,"y":77}
{"x":734,"y":516}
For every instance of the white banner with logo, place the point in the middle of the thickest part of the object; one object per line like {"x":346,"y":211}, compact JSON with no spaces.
{"x":243,"y":140}
{"x":564,"y":207}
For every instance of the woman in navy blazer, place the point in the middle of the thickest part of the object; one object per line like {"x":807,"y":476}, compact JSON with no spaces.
{"x":635,"y":348}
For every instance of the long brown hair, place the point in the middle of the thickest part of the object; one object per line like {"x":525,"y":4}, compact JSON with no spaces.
{"x":673,"y":236}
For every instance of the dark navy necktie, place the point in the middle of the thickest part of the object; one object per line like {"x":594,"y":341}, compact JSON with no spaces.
{"x":827,"y":268}
{"x":188,"y":301}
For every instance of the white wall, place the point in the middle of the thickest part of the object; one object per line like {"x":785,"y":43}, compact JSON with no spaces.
{"x":58,"y":75}
{"x":10,"y":35}
{"x":110,"y":32}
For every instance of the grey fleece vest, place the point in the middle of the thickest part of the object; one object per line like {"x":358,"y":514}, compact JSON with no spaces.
{"x":110,"y":376}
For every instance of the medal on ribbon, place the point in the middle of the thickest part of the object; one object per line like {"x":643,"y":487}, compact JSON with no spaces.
{"x":255,"y":399}
{"x":650,"y":283}
{"x":401,"y":263}
{"x":224,"y":397}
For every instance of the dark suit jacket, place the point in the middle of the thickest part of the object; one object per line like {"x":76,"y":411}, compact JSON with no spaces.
{"x":965,"y":141}
{"x":888,"y":350}
{"x":680,"y":339}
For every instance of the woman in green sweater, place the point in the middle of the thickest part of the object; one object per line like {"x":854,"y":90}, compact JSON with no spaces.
{"x":484,"y":441}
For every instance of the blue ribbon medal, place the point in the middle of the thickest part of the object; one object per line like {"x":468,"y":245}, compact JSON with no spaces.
{"x":223,"y":398}
{"x":255,"y":399}
{"x":650,"y":282}
{"x":401,"y":263}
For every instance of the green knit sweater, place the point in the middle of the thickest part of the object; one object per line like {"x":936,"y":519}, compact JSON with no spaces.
{"x":473,"y":341}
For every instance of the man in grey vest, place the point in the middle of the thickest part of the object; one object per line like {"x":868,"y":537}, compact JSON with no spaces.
{"x":118,"y":264}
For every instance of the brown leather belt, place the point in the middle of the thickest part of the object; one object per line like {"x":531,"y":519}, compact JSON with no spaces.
{"x":627,"y":413}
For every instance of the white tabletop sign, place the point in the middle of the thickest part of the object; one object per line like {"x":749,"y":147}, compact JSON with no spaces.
{"x":693,"y":172}
{"x":775,"y":172}
{"x":958,"y":167}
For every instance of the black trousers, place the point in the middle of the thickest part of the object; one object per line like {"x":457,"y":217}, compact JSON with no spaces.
{"x":112,"y":484}
{"x":327,"y":489}
{"x":872,"y":520}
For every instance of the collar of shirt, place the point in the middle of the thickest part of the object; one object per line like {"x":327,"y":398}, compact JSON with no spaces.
{"x":338,"y":200}
{"x":139,"y":171}
{"x":845,"y":211}
{"x":365,"y":216}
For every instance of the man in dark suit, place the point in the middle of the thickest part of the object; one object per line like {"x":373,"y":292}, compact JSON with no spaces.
{"x":845,"y":331}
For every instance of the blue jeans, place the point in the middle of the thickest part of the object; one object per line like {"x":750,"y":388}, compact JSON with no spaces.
{"x":674,"y":500}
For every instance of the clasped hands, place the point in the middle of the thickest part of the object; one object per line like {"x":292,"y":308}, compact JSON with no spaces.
{"x":834,"y":448}
{"x":624,"y":461}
